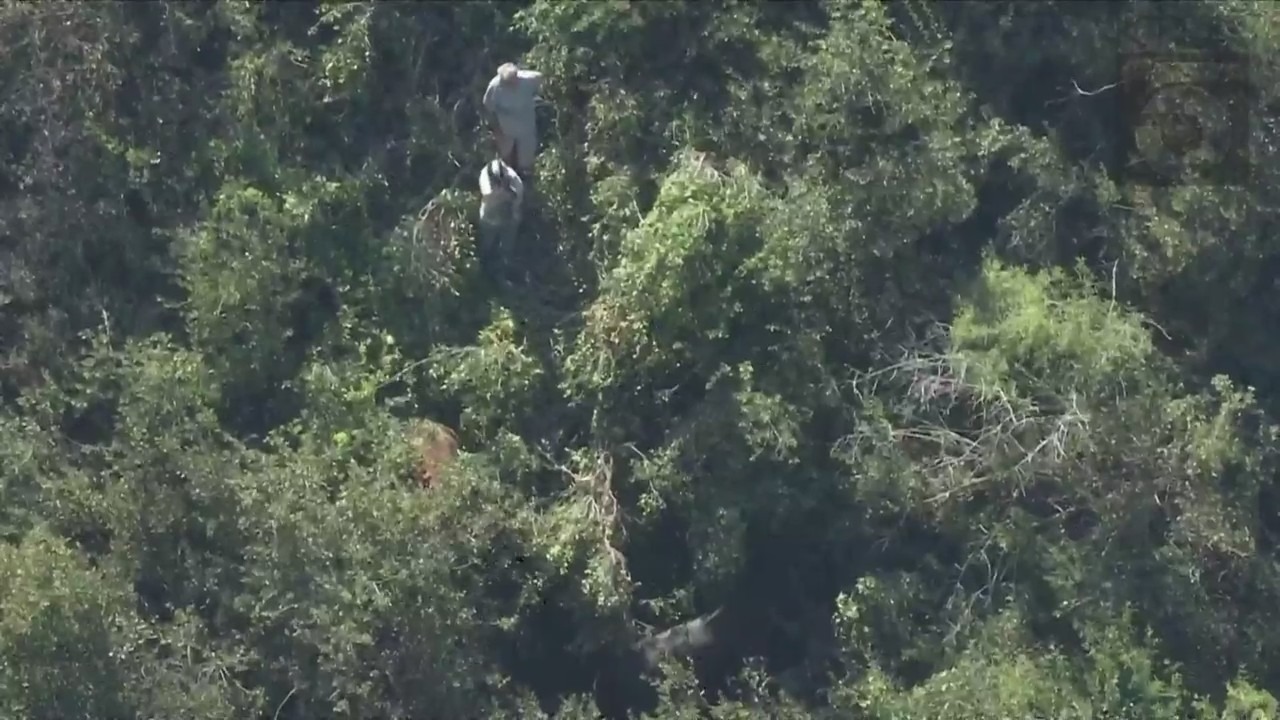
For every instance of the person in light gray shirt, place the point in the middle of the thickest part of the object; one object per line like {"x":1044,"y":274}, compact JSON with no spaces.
{"x":510,"y":100}
{"x":501,"y":207}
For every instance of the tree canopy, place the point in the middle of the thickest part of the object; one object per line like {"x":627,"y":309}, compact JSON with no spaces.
{"x":872,"y":360}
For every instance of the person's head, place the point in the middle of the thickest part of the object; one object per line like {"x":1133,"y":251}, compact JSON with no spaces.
{"x":507,"y":73}
{"x":497,"y":178}
{"x":500,"y":181}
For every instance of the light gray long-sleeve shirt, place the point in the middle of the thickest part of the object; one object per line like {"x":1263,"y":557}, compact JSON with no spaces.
{"x":500,"y":204}
{"x":514,"y":105}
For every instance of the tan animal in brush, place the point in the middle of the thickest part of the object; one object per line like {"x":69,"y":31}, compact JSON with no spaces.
{"x":436,"y":447}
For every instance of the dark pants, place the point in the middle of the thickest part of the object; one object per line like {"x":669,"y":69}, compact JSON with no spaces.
{"x":497,"y":240}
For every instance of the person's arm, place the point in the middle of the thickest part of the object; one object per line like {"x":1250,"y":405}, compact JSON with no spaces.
{"x":517,"y":185}
{"x":532,"y":77}
{"x":489,"y":92}
{"x":490,"y":105}
{"x":517,"y":192}
{"x":486,"y":188}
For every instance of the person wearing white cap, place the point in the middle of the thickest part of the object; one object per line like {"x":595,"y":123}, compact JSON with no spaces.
{"x":501,"y":206}
{"x":510,"y":100}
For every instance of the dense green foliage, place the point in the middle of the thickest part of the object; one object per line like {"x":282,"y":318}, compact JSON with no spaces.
{"x":850,"y":321}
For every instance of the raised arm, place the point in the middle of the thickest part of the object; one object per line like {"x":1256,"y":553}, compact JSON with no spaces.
{"x":489,"y":104}
{"x":490,"y":96}
{"x":517,"y":185}
{"x":533,"y":77}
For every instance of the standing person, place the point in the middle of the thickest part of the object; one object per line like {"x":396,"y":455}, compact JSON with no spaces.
{"x":509,"y":101}
{"x":501,"y":201}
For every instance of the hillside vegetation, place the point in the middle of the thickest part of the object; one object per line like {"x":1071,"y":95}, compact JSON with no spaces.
{"x":869,"y":360}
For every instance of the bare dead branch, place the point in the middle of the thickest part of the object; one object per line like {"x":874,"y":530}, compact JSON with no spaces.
{"x":595,"y":481}
{"x":995,"y":439}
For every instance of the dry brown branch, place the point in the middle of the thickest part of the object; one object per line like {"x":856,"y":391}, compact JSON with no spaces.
{"x":595,"y":481}
{"x":963,"y":435}
{"x":963,"y":600}
{"x":430,"y":224}
{"x":437,"y":238}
